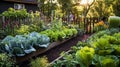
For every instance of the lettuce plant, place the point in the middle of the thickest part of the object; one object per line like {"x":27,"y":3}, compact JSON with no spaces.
{"x":116,"y":49}
{"x":85,"y":56}
{"x":101,"y":43}
{"x":106,"y":61}
{"x":56,"y":35}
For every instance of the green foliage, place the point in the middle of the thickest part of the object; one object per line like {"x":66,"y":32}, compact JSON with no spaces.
{"x":57,"y":24}
{"x":39,"y":62}
{"x":116,"y":49}
{"x":74,"y":31}
{"x":56,"y":35}
{"x":115,"y":5}
{"x":6,"y":61}
{"x":52,"y":34}
{"x":97,"y":35}
{"x":59,"y":32}
{"x":17,"y":51}
{"x":102,"y":49}
{"x":36,"y":26}
{"x":114,"y":21}
{"x":62,"y":35}
{"x":68,"y":61}
{"x":106,"y":61}
{"x":66,"y":5}
{"x":85,"y":56}
{"x":24,"y":29}
{"x":101,"y":8}
{"x":23,"y":44}
{"x":12,"y":13}
{"x":101,"y":43}
{"x":2,"y":34}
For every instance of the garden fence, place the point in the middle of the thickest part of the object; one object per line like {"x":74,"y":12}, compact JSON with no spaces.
{"x":87,"y":24}
{"x":9,"y":25}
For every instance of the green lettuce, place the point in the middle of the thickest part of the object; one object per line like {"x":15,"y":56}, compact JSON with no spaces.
{"x":85,"y":56}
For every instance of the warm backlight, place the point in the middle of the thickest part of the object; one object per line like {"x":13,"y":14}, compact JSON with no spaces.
{"x":86,"y":2}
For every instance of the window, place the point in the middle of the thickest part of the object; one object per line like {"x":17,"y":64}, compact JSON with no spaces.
{"x":19,"y":6}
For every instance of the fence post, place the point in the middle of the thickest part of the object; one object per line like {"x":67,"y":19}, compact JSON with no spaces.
{"x":90,"y":25}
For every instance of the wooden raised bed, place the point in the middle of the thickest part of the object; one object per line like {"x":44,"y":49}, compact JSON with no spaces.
{"x":40,"y":51}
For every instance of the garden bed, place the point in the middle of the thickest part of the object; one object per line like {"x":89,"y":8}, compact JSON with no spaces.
{"x":83,"y":38}
{"x":40,"y":51}
{"x":54,"y":53}
{"x":100,"y":49}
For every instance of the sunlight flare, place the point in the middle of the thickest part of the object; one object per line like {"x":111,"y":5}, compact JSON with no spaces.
{"x":85,"y":2}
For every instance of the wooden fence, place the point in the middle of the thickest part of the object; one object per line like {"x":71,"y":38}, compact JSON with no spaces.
{"x":10,"y":24}
{"x":87,"y":24}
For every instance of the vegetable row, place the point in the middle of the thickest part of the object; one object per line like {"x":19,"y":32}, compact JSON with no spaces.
{"x":21,"y":45}
{"x":102,"y":49}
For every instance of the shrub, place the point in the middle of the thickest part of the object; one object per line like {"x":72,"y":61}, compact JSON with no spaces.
{"x":114,"y":21}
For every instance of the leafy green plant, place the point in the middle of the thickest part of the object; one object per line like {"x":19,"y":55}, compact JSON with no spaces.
{"x":39,"y":62}
{"x":24,"y":29}
{"x":23,"y":44}
{"x":6,"y":61}
{"x":102,"y":49}
{"x":57,"y":24}
{"x":116,"y":49}
{"x":106,"y":61}
{"x":74,"y":31}
{"x":18,"y":51}
{"x":68,"y":33}
{"x":36,"y":26}
{"x":12,"y":13}
{"x":56,"y":35}
{"x":2,"y":34}
{"x":85,"y":56}
{"x":101,"y":43}
{"x":67,"y":61}
{"x":62,"y":35}
{"x":99,"y":34}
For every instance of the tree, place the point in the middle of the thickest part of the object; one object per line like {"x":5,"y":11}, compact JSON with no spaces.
{"x":46,"y":6}
{"x":101,"y":8}
{"x":66,"y":5}
{"x":87,"y":7}
{"x":116,"y":5}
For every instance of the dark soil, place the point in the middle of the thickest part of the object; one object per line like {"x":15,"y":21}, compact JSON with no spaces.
{"x":54,"y":53}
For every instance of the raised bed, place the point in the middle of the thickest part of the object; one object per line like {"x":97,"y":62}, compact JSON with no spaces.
{"x":40,"y":51}
{"x":84,"y":38}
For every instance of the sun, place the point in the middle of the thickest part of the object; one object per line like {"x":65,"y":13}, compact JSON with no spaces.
{"x":85,"y":2}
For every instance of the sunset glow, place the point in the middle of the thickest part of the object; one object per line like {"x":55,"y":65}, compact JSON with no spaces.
{"x":85,"y":2}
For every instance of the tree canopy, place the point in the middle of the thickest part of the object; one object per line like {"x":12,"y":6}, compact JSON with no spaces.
{"x":97,"y":8}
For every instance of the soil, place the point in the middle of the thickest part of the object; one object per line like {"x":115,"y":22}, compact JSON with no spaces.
{"x":54,"y":53}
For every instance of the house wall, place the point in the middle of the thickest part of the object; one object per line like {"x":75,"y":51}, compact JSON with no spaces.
{"x":4,"y":5}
